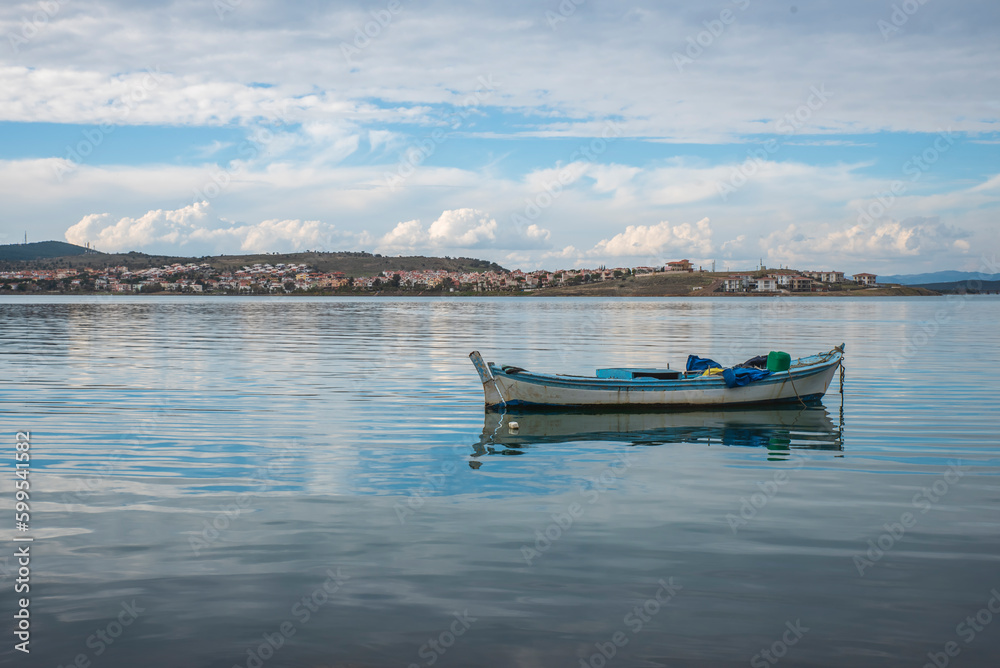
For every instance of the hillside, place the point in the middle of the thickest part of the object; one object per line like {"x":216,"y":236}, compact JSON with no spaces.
{"x":646,"y":285}
{"x":42,"y":250}
{"x":962,"y":286}
{"x":703,"y":284}
{"x":351,"y":263}
{"x":356,"y":263}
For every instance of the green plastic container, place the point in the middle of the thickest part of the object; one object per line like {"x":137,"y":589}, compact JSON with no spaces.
{"x":778,"y":361}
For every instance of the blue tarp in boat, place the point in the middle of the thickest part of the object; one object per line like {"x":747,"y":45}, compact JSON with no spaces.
{"x":737,"y":377}
{"x":696,"y":363}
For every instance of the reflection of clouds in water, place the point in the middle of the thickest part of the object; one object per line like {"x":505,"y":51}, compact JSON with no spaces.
{"x":204,"y":390}
{"x":166,"y":410}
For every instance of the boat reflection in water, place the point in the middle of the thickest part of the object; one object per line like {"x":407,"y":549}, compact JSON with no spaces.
{"x":778,"y":429}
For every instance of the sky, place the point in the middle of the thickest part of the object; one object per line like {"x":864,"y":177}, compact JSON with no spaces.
{"x":840,"y":135}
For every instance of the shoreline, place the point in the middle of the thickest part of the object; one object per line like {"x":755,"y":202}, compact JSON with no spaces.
{"x":869,"y":294}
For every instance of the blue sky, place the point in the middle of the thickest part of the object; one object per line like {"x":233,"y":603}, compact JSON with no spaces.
{"x":858,"y":136}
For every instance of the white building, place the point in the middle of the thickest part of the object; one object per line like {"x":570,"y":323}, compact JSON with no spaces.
{"x":767,"y":284}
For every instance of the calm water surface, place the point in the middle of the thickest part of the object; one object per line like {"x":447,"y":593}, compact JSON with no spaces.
{"x":257,"y":482}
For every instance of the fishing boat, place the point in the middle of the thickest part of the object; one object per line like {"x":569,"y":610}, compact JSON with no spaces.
{"x":803,"y":380}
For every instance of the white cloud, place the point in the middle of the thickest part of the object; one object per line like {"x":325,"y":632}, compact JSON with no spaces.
{"x":642,"y":244}
{"x":536,"y":234}
{"x":612,"y":178}
{"x":829,"y":142}
{"x":729,"y":247}
{"x":382,"y":139}
{"x":884,"y":240}
{"x":461,"y":229}
{"x":817,"y":200}
{"x":130,"y":95}
{"x":565,"y":175}
{"x":211,"y":149}
{"x":409,"y":234}
{"x":196,"y":230}
{"x":655,"y":240}
{"x":90,"y":52}
{"x":569,"y":252}
{"x":334,"y":128}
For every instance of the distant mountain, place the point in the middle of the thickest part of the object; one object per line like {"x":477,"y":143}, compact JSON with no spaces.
{"x":41,"y":250}
{"x":938,"y":277}
{"x":963,"y":286}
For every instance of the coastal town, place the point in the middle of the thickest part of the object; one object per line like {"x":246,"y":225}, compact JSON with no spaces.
{"x":282,"y":278}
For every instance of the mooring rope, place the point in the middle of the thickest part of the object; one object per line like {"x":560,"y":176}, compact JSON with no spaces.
{"x":792,"y":380}
{"x":503,"y":408}
{"x":503,"y":412}
{"x":841,"y":430}
{"x":841,"y":379}
{"x":503,"y":402}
